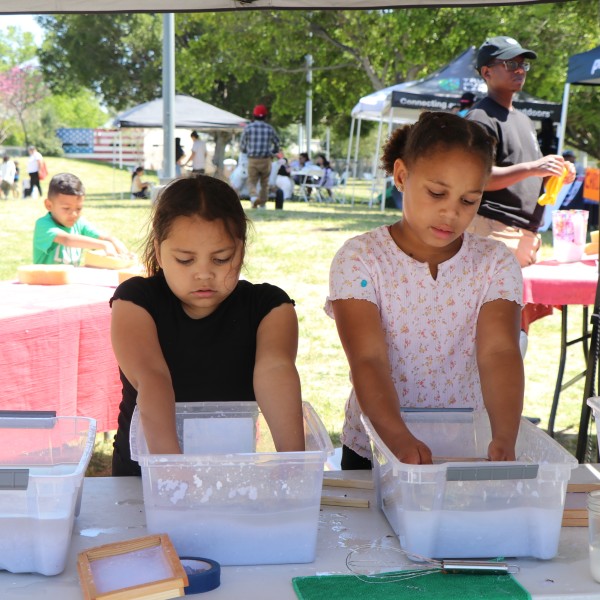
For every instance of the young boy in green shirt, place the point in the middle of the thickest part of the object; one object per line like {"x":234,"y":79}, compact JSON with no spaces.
{"x":62,"y":234}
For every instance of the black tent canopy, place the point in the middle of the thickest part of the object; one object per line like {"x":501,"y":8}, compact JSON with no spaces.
{"x":442,"y":90}
{"x":584,"y":68}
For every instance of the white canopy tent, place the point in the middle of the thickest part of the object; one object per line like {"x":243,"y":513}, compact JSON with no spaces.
{"x":189,"y":113}
{"x":160,"y":6}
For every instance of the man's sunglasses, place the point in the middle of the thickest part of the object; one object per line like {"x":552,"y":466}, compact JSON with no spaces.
{"x":512,"y":65}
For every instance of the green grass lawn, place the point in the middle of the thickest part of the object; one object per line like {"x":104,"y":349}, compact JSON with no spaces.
{"x":293,"y":248}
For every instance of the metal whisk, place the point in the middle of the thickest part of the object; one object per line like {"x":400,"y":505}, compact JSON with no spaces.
{"x":379,"y":564}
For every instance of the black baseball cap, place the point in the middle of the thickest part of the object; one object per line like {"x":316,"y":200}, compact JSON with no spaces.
{"x":501,"y":48}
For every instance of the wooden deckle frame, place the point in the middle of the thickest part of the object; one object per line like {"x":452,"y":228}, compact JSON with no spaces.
{"x":155,"y":590}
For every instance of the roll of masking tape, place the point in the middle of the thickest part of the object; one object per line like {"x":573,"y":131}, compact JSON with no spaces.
{"x":203,"y":574}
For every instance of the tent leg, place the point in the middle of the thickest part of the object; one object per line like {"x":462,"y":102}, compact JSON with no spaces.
{"x":358,"y":123}
{"x":348,"y":156}
{"x":563,"y":118}
{"x":374,"y":167}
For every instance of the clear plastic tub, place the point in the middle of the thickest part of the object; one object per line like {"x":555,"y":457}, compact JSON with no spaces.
{"x":43,"y":460}
{"x":594,"y":404}
{"x":230,"y":496}
{"x":473,"y":509}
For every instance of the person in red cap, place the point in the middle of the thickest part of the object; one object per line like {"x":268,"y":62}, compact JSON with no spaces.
{"x":260,"y":142}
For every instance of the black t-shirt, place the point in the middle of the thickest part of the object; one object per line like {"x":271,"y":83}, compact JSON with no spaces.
{"x":210,"y":359}
{"x":516,"y":205}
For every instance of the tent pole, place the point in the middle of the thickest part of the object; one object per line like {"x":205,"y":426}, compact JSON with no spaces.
{"x":374,"y":166}
{"x":348,"y":156}
{"x":390,"y":124}
{"x":358,"y":123}
{"x":168,"y":81}
{"x":563,"y":118}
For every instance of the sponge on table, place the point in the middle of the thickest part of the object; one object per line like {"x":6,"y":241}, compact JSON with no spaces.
{"x":44,"y":274}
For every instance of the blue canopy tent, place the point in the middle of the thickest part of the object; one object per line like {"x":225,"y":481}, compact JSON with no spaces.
{"x":584,"y":69}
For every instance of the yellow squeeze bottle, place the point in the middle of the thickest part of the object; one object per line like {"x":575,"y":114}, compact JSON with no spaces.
{"x":552,"y":188}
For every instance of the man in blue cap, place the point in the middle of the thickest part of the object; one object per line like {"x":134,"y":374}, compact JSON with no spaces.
{"x":509,"y":211}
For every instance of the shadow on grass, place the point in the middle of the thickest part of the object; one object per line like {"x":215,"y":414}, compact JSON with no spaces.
{"x":569,"y":442}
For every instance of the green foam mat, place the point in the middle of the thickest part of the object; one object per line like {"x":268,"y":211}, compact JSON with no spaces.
{"x":434,"y":586}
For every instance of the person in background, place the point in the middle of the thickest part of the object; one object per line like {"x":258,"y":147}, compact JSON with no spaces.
{"x":547,"y":138}
{"x":192,"y":331}
{"x":16,"y":191}
{"x":34,"y":164}
{"x":139,"y":188}
{"x":7,"y":176}
{"x":60,"y":236}
{"x":179,"y":154}
{"x":198,"y":155}
{"x":465,"y":104}
{"x":327,"y":180}
{"x":303,"y":163}
{"x":509,"y":211}
{"x":260,"y":142}
{"x":428,"y":314}
{"x":283,"y":181}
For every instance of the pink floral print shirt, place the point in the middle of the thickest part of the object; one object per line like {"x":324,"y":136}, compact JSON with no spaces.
{"x":429,"y":324}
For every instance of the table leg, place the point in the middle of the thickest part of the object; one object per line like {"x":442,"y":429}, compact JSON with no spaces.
{"x":564,"y":345}
{"x":561,"y":370}
{"x":590,"y":388}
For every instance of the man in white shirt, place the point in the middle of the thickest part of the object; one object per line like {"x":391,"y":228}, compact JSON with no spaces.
{"x":198,"y":155}
{"x":7,"y":175}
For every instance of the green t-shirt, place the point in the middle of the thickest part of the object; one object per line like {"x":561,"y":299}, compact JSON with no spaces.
{"x":47,"y":252}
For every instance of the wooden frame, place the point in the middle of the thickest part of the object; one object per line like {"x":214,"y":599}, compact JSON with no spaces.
{"x":161,"y":589}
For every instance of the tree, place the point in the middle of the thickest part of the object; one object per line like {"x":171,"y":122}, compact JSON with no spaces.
{"x":16,"y":47}
{"x":20,"y":90}
{"x":117,"y":56}
{"x":79,"y":109}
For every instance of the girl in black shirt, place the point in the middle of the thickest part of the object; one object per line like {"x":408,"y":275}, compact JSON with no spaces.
{"x":192,"y":331}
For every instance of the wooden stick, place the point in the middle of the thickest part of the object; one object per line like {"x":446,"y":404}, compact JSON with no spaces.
{"x":348,"y":502}
{"x":574,"y":522}
{"x":575,"y":513}
{"x":349,"y":483}
{"x":583,"y":487}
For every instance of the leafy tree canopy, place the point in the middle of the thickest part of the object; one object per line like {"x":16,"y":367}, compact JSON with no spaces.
{"x":16,"y":47}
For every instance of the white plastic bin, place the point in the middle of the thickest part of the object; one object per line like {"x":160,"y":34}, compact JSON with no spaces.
{"x":43,"y":460}
{"x":473,"y":509}
{"x":230,"y":496}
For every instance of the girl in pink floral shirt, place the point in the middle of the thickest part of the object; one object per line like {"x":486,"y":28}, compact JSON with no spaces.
{"x":429,"y":315}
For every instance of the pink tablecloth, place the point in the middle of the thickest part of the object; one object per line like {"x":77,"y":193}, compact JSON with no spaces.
{"x":557,"y":284}
{"x":55,"y":351}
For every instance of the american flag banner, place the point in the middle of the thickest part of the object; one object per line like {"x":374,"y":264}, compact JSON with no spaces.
{"x":123,"y":147}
